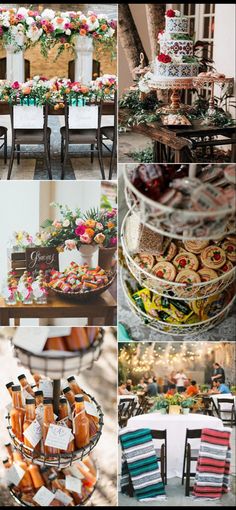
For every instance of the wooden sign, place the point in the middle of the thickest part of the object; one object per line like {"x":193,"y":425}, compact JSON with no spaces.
{"x":41,"y":258}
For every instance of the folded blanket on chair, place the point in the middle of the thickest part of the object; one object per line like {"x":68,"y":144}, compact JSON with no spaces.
{"x":212,"y":471}
{"x":140,"y":465}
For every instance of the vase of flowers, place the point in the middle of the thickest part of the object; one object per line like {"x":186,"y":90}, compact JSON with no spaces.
{"x":186,"y":405}
{"x":108,"y":248}
{"x":86,"y":253}
{"x":175,"y":403}
{"x":160,"y":405}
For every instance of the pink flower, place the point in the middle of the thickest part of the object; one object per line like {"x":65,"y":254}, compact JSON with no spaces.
{"x":70,"y":244}
{"x":85,"y":239}
{"x":99,"y":226}
{"x":113,"y":241}
{"x":1,"y":31}
{"x":80,"y":230}
{"x":57,"y":224}
{"x":111,"y":214}
{"x":15,"y":85}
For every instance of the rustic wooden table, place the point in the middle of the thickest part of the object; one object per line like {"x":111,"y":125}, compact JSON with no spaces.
{"x":102,"y":307}
{"x":174,"y":145}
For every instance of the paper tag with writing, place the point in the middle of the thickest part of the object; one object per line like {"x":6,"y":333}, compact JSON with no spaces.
{"x":64,"y":498}
{"x":43,"y":497}
{"x":32,"y":339}
{"x":9,"y":407}
{"x":74,"y":471}
{"x":81,"y":464}
{"x":73,"y":484}
{"x":14,"y":474}
{"x":63,"y":423}
{"x":34,"y":433}
{"x":58,"y":437}
{"x":46,"y":387}
{"x":90,"y":408}
{"x":39,"y":414}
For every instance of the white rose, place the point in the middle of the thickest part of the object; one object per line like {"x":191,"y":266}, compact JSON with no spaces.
{"x":103,"y":16}
{"x":68,"y":31}
{"x":109,"y":32}
{"x":48,"y":14}
{"x":23,"y":12}
{"x":92,"y":26}
{"x":142,"y":85}
{"x":66,"y":223}
{"x":177,"y":13}
{"x":34,"y":33}
{"x":29,"y":20}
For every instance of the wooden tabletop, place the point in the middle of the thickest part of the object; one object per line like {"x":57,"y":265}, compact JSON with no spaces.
{"x":102,"y":306}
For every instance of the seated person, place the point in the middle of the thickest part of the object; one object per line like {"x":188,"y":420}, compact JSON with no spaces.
{"x":171,"y":390}
{"x":219,"y":387}
{"x":122,"y":390}
{"x":192,"y":389}
{"x":152,"y":387}
{"x":129,"y":385}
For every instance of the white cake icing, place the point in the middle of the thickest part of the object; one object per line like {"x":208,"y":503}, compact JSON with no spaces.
{"x":175,"y":59}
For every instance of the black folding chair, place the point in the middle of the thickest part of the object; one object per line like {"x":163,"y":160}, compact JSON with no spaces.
{"x":190,"y":455}
{"x":222,"y":411}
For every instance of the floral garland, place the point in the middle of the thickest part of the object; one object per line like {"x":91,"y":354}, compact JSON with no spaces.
{"x":72,"y":230}
{"x":22,"y":28}
{"x":40,"y":90}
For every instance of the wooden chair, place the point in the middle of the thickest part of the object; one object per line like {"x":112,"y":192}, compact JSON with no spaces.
{"x":190,"y":455}
{"x":161,"y":452}
{"x":79,"y":129}
{"x":222,"y":411}
{"x":209,"y":406}
{"x":110,"y":133}
{"x":3,"y":139}
{"x":23,"y":134}
{"x":125,"y":410}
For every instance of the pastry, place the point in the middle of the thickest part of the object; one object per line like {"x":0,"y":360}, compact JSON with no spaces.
{"x":188,"y":276}
{"x":186,"y":260}
{"x":213,"y":257}
{"x":230,"y":249}
{"x":169,"y":254}
{"x":195,"y":246}
{"x":226,"y":267}
{"x":144,"y":260}
{"x":207,"y":274}
{"x":165,"y":271}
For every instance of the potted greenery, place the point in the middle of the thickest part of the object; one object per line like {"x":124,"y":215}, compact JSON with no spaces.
{"x":186,"y":405}
{"x":233,"y":390}
{"x":161,"y":404}
{"x":175,"y":403}
{"x":204,"y":388}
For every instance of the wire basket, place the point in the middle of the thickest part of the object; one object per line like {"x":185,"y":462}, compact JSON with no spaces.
{"x":174,"y":329}
{"x":177,"y":223}
{"x":175,"y":290}
{"x":81,"y":297}
{"x":18,"y":499}
{"x":57,"y":367}
{"x":59,"y":460}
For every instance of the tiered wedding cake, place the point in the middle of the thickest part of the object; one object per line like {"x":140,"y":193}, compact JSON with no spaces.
{"x":175,"y":59}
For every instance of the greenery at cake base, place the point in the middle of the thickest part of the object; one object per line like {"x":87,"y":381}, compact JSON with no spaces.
{"x":141,"y":111}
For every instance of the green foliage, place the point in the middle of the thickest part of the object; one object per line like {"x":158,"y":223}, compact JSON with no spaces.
{"x":105,"y":203}
{"x":140,"y":111}
{"x":143,"y":155}
{"x":188,"y":403}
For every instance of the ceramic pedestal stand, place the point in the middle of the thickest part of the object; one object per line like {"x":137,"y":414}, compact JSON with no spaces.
{"x":15,"y":65}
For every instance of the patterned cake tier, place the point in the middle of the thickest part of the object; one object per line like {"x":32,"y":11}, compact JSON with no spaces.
{"x":176,"y":25}
{"x":177,"y":47}
{"x":176,"y":70}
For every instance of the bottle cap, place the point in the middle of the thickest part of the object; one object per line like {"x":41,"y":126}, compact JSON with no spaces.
{"x":71,"y":378}
{"x":47,"y":400}
{"x":38,"y":393}
{"x":7,"y":444}
{"x":30,"y":400}
{"x":4,"y":461}
{"x":10,"y":384}
{"x":62,"y":400}
{"x":65,"y":390}
{"x":79,"y":398}
{"x":52,"y":477}
{"x":16,"y":388}
{"x":22,"y":376}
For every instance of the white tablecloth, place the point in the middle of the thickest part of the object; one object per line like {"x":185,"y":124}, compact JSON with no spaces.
{"x":176,"y":426}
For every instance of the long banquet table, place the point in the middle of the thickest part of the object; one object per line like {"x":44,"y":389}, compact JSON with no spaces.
{"x":175,"y":426}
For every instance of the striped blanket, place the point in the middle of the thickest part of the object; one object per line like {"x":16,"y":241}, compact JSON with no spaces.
{"x":213,"y":465}
{"x":140,"y":466}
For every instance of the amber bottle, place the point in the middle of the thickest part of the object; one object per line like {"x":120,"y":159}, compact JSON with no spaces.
{"x":9,"y":387}
{"x":81,"y":423}
{"x":36,"y":476}
{"x":9,"y":449}
{"x":26,"y":483}
{"x":29,"y":417}
{"x":77,"y":340}
{"x":17,"y":413}
{"x":48,"y":419}
{"x":63,"y":415}
{"x":55,"y":344}
{"x":69,"y":396}
{"x":38,"y":397}
{"x":25,"y":384}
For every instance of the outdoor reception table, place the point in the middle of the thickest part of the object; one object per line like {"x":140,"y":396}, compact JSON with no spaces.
{"x":180,"y":140}
{"x":175,"y":425}
{"x":102,"y":307}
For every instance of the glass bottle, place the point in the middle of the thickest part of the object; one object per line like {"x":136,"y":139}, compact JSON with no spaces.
{"x":9,"y":449}
{"x":39,"y":289}
{"x":38,"y":397}
{"x":76,"y":388}
{"x":29,"y":417}
{"x":69,"y":396}
{"x":9,"y":387}
{"x":81,"y":423}
{"x":17,"y":413}
{"x":37,"y":379}
{"x":36,"y":476}
{"x":25,"y":384}
{"x":25,"y":484}
{"x":55,"y":344}
{"x":63,"y":415}
{"x":77,"y":340}
{"x":48,"y":419}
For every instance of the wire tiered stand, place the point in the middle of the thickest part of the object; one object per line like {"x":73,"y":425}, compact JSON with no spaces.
{"x":178,"y":224}
{"x":58,"y":368}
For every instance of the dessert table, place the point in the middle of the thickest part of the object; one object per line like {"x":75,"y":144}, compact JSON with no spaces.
{"x":102,"y":307}
{"x":175,"y":426}
{"x":174,"y":144}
